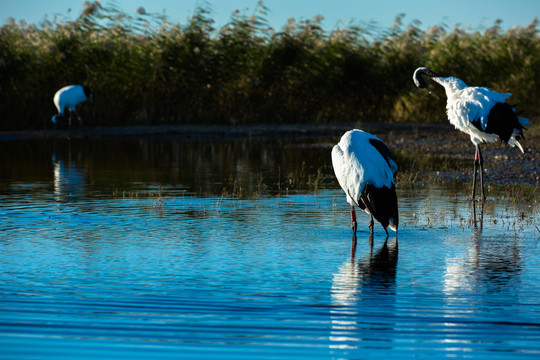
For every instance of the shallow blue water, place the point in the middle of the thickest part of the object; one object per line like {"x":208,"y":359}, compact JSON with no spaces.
{"x":90,"y":270}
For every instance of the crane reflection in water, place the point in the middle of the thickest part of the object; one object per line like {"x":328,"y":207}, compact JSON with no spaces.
{"x":363,"y":296}
{"x":69,"y":179}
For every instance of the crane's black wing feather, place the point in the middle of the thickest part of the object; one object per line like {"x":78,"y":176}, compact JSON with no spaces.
{"x":384,"y":151}
{"x":502,"y":121}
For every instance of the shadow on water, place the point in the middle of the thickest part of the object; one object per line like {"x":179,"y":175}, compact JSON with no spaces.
{"x":363,"y":296}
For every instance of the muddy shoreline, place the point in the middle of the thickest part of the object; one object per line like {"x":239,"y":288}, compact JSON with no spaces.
{"x":221,"y":131}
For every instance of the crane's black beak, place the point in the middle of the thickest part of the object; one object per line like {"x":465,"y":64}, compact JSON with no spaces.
{"x":421,"y":82}
{"x":432,"y":93}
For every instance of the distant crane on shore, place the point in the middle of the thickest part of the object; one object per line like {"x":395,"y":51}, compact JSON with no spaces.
{"x":365,"y":170}
{"x":69,"y":97}
{"x":478,"y":111}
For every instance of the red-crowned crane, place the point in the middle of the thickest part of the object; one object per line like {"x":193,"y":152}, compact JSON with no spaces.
{"x":478,"y":111}
{"x":365,"y":170}
{"x":69,"y":97}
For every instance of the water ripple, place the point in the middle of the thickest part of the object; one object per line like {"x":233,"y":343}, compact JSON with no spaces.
{"x":91,"y":271}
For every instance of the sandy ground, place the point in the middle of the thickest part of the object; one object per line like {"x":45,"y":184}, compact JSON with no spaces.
{"x":504,"y":165}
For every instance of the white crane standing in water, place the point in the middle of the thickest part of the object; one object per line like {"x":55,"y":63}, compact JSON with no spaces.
{"x":365,"y":170}
{"x":478,"y":111}
{"x":69,"y":97}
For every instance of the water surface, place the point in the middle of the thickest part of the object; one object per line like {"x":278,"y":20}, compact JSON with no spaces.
{"x":171,"y":248}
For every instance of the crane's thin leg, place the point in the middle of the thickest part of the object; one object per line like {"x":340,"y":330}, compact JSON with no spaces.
{"x":481,"y":160}
{"x":482,"y":216}
{"x":353,"y":220}
{"x":371,"y":224}
{"x":475,"y":171}
{"x":354,"y":226}
{"x":80,"y":119}
{"x":70,"y":115}
{"x":474,"y":214}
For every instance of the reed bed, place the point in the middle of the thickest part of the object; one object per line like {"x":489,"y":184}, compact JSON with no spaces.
{"x":145,"y":69}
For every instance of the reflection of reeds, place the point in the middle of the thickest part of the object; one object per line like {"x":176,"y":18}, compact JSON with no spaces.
{"x":146,"y":70}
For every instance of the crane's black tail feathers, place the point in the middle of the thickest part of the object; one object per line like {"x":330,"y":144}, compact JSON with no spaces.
{"x":504,"y":122}
{"x":382,"y":204}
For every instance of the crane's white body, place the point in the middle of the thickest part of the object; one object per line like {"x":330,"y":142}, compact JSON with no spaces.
{"x":480,"y":112}
{"x":466,"y":104}
{"x":358,"y":163}
{"x":68,"y":96}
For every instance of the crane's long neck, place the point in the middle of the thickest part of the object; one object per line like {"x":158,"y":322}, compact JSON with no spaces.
{"x":452,"y":85}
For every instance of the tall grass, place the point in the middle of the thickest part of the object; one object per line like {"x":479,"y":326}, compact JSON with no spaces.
{"x":147,"y":70}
